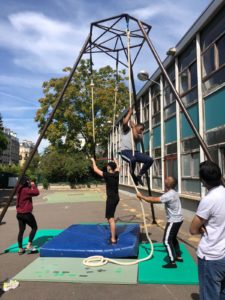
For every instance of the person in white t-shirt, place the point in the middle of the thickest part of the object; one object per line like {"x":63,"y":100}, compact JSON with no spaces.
{"x":174,"y":220}
{"x":209,"y":221}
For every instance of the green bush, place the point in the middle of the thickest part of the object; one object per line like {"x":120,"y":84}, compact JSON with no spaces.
{"x":45,"y":183}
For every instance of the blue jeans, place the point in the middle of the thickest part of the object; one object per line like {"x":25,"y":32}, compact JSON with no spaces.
{"x":211,"y":279}
{"x":128,"y":156}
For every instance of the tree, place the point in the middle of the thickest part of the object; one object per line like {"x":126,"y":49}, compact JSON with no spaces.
{"x":60,"y":166}
{"x":74,"y":116}
{"x":3,"y":139}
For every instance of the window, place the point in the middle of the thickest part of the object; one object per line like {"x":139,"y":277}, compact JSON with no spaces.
{"x":222,"y":153}
{"x":218,"y":156}
{"x":216,"y":136}
{"x":157,"y":174}
{"x":171,"y":148}
{"x":208,"y":61}
{"x":188,"y":75}
{"x":190,"y":169}
{"x":155,"y":104}
{"x":145,"y":110}
{"x":188,"y":145}
{"x":171,"y":166}
{"x":157,"y":169}
{"x":213,"y":53}
{"x":169,"y":99}
{"x":221,"y":50}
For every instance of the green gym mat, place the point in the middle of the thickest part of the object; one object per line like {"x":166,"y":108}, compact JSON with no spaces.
{"x":151,"y":271}
{"x":41,"y":237}
{"x":53,"y":269}
{"x":75,"y":197}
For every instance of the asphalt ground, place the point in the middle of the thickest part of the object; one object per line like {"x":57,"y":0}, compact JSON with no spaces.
{"x":60,"y":215}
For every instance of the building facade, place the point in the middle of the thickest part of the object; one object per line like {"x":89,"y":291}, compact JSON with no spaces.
{"x":197,"y":70}
{"x":25,"y":149}
{"x":11,"y":154}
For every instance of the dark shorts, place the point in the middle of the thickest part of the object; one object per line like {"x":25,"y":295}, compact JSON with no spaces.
{"x":111,"y":204}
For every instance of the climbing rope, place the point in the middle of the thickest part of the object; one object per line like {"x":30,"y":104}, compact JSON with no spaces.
{"x":93,"y":112}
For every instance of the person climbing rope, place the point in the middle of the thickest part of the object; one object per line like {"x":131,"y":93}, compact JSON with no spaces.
{"x":127,"y":153}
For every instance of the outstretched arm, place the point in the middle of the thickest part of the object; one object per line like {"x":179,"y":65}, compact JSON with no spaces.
{"x":148,"y":198}
{"x":96,"y":169}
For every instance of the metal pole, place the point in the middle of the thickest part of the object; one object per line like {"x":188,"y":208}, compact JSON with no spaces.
{"x":175,"y":93}
{"x":142,"y":147}
{"x":60,"y":98}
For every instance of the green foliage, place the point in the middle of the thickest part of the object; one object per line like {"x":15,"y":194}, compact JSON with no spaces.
{"x":3,"y":139}
{"x":74,"y":115}
{"x":14,"y":169}
{"x":60,"y":166}
{"x":3,"y":142}
{"x":33,"y":170}
{"x":45,"y":183}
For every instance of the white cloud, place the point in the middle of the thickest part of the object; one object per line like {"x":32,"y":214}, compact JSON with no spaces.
{"x":17,"y":98}
{"x":22,"y":81}
{"x":40,"y":43}
{"x":16,"y":108}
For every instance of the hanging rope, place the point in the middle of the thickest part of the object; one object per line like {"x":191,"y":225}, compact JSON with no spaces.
{"x":115,"y":103}
{"x":129,"y":78}
{"x":114,"y":120}
{"x":93,"y":111}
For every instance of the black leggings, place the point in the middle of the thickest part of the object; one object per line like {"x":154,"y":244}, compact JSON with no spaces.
{"x":24,"y":219}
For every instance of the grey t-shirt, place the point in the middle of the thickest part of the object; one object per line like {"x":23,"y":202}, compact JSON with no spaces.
{"x":172,"y":206}
{"x":126,"y":139}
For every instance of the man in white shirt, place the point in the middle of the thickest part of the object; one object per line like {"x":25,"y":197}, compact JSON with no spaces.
{"x":209,"y":221}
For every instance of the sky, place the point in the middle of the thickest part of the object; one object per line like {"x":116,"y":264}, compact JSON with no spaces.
{"x":40,"y":38}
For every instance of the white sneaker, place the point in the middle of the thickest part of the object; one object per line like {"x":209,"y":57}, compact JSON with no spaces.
{"x":9,"y":285}
{"x":31,"y":249}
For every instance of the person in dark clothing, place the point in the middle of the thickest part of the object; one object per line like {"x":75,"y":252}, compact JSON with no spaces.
{"x":134,"y":132}
{"x":24,"y":208}
{"x":112,"y":191}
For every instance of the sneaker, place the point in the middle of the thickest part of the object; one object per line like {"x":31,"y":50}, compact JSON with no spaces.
{"x":139,"y":180}
{"x":21,"y":252}
{"x":31,"y":249}
{"x":170,"y":265}
{"x":112,"y":242}
{"x":12,"y":284}
{"x":180,"y":259}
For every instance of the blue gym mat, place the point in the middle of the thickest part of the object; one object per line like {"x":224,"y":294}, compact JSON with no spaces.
{"x":83,"y":240}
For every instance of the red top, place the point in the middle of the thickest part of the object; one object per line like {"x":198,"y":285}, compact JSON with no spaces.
{"x":24,"y":199}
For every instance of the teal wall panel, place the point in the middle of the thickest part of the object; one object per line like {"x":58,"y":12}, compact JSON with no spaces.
{"x":186,"y":130}
{"x":156,"y":136}
{"x":215,"y":109}
{"x":170,"y":130}
{"x":146,"y":140}
{"x":138,"y":147}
